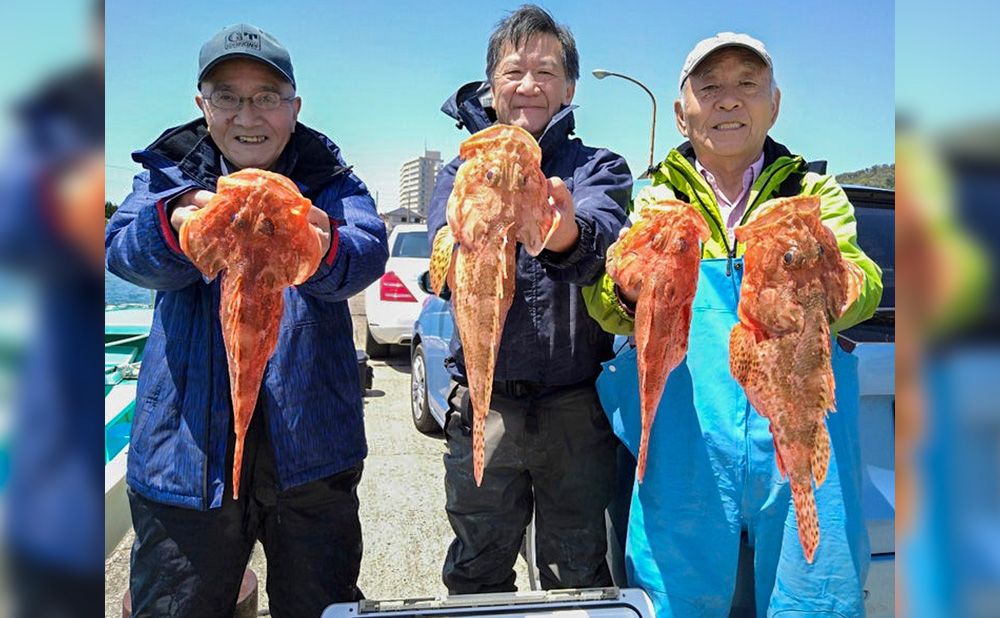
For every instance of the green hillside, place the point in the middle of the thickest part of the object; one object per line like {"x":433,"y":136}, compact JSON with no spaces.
{"x":883,"y":176}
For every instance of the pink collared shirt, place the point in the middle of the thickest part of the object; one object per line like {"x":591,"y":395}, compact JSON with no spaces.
{"x":732,"y":210}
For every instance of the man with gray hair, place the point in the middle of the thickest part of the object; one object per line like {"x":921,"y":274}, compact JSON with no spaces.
{"x":711,"y":485}
{"x":549,"y":448}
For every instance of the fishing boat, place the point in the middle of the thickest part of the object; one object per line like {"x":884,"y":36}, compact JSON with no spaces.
{"x":126,"y":330}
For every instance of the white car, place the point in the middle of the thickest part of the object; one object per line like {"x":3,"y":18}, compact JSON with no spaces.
{"x":393,"y":302}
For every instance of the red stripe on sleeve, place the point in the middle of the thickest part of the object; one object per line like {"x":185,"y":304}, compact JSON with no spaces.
{"x":334,"y":242}
{"x":168,"y":231}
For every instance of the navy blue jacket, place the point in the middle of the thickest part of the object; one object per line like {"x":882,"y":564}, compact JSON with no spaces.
{"x":548,"y":337}
{"x":310,"y":396}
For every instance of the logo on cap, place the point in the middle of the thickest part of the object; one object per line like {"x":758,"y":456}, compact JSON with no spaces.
{"x":245,"y":40}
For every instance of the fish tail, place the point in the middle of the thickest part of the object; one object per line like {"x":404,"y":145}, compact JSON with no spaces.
{"x":237,"y":464}
{"x":478,"y":445}
{"x":643,"y":452}
{"x":807,"y":518}
{"x":821,"y":454}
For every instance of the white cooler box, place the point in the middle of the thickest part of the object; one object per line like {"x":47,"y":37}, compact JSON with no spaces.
{"x":582,"y":603}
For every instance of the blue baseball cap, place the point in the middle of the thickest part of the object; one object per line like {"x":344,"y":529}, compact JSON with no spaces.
{"x":245,"y":41}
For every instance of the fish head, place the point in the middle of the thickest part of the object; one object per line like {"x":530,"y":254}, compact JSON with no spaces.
{"x":501,"y":185}
{"x":269,"y":218}
{"x":664,"y":243}
{"x":793,"y":263}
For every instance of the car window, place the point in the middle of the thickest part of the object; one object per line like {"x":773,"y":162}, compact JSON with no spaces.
{"x":877,"y":238}
{"x":411,"y":245}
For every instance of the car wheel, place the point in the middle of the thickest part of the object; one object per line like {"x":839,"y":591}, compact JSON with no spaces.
{"x":373,"y":348}
{"x":419,"y":405}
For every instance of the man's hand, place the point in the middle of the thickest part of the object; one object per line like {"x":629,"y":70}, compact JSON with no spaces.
{"x":321,"y":221}
{"x":567,"y":232}
{"x":185,"y":206}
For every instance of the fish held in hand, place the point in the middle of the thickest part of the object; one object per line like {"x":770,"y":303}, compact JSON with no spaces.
{"x":661,"y":251}
{"x":255,"y":232}
{"x":795,"y":284}
{"x":500,"y":199}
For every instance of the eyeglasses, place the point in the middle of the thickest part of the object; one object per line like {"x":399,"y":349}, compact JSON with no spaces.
{"x":264,"y":101}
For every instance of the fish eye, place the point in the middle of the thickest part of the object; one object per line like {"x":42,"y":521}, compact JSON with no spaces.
{"x":491,"y":174}
{"x":820,"y":250}
{"x":523,"y":180}
{"x":682,"y":245}
{"x":789,"y":257}
{"x":265,"y":226}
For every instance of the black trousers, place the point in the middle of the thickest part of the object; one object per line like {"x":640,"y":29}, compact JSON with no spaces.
{"x":190,"y":563}
{"x":548,"y":451}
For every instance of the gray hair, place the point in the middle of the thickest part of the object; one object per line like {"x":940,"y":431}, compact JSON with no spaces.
{"x":518,"y":28}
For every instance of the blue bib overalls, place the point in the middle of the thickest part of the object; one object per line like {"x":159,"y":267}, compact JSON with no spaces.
{"x":712,"y":474}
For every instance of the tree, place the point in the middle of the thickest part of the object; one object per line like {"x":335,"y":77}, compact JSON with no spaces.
{"x":109,"y":209}
{"x":883,"y":176}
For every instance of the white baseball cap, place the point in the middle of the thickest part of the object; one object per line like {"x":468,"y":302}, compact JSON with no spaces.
{"x":713,"y":43}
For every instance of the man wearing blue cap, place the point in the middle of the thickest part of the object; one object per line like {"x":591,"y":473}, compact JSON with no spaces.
{"x":305,"y":444}
{"x":711,"y":485}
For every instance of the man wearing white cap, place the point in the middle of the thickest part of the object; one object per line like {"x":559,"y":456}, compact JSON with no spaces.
{"x":711,"y":485}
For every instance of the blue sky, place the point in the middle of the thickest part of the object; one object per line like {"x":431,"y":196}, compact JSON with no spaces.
{"x":947,"y":63}
{"x":373,"y":75}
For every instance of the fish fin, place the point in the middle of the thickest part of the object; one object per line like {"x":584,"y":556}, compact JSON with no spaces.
{"x":831,"y":392}
{"x":741,"y":353}
{"x":806,"y":518}
{"x":442,"y":265}
{"x":699,"y":222}
{"x":855,"y":282}
{"x":821,"y":454}
{"x":206,"y":249}
{"x":777,"y":456}
{"x":505,"y":257}
{"x":538,"y":224}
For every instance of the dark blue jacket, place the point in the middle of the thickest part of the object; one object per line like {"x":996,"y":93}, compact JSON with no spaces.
{"x":310,"y":394}
{"x":548,"y":337}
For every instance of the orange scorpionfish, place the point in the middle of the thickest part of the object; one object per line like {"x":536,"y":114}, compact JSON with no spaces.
{"x":662,"y":251}
{"x":256,"y":231}
{"x":796,"y":284}
{"x":500,"y":199}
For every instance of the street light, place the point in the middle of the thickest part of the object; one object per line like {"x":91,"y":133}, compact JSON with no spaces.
{"x":601,"y":74}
